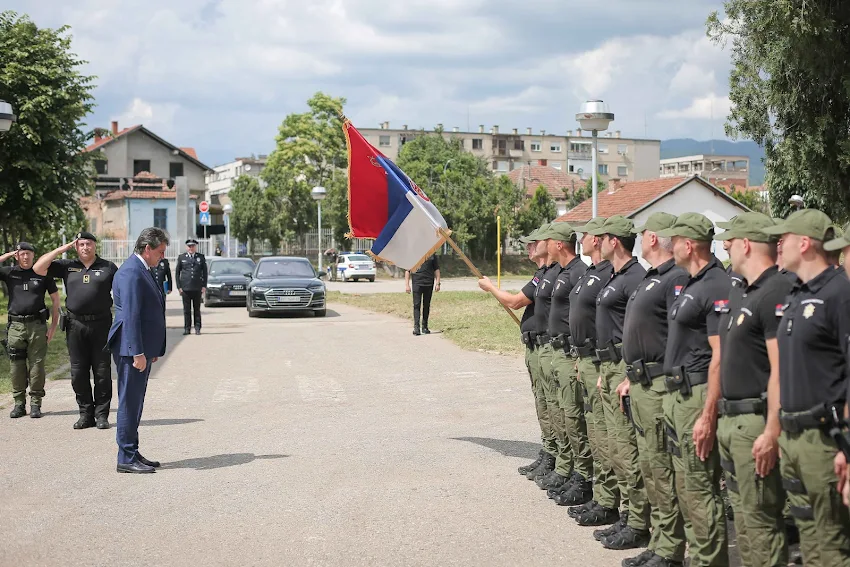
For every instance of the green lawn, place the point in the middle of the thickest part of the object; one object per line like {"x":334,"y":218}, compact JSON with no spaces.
{"x":57,"y":355}
{"x":472,"y":320}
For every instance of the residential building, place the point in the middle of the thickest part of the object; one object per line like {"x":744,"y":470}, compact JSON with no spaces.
{"x":638,"y":200}
{"x":559,"y":184}
{"x":629,"y":159}
{"x":220,"y":180}
{"x":722,"y":171}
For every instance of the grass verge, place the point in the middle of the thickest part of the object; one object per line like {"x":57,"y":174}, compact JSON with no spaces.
{"x":472,"y":320}
{"x":57,"y":355}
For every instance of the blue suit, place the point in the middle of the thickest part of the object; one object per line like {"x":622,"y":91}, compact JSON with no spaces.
{"x":138,"y":328}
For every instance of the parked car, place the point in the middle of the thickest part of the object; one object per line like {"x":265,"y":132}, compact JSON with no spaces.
{"x":226,"y":281}
{"x":282,"y":284}
{"x":355,"y":267}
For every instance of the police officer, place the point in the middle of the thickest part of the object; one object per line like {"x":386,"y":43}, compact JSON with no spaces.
{"x":537,"y":253}
{"x":88,"y":287}
{"x":191,"y":278}
{"x":812,"y":336}
{"x":644,"y":341}
{"x":162,"y":275}
{"x":426,"y":280}
{"x":748,"y":426}
{"x":27,"y":334}
{"x":617,"y":245}
{"x":602,"y":509}
{"x":692,"y":364}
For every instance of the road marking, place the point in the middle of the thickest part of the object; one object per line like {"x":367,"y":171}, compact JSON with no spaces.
{"x":241,"y":388}
{"x":320,"y":389}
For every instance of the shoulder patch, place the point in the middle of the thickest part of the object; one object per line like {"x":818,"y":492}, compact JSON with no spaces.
{"x":721,"y":305}
{"x":677,"y":290}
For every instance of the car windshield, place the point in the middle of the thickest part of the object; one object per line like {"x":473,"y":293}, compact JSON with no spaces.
{"x":359,"y":258}
{"x":285,"y":268}
{"x":231,"y":267}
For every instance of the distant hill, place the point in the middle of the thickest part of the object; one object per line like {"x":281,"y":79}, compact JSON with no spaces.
{"x":687,"y":147}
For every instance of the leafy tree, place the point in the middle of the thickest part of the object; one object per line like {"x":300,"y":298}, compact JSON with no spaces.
{"x":43,"y":169}
{"x":583,"y":194}
{"x":789,"y":89}
{"x":750,"y":199}
{"x":537,"y":210}
{"x":252,"y":212}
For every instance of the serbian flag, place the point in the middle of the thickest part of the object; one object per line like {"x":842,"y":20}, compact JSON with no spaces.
{"x":384,"y":204}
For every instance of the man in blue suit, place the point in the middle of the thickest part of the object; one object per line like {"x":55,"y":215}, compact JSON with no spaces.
{"x":137,"y":340}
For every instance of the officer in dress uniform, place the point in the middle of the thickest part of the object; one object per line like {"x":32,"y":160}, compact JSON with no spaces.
{"x":748,"y":426}
{"x":644,"y":340}
{"x":88,"y":286}
{"x":813,"y":370}
{"x":27,"y":334}
{"x":191,"y":278}
{"x":162,"y":275}
{"x":692,"y":362}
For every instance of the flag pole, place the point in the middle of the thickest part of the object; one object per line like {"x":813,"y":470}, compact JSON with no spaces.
{"x":475,"y":271}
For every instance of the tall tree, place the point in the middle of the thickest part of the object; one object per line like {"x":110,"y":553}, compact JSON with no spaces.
{"x":789,"y":92}
{"x":537,"y":210}
{"x":252,"y":213}
{"x":584,"y":193}
{"x":43,"y":169}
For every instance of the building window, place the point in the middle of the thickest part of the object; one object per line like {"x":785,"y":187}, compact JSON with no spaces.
{"x":160,"y":218}
{"x":175,"y":169}
{"x":556,"y":165}
{"x":384,"y":141}
{"x":541,"y":162}
{"x":101,"y":166}
{"x":571,"y":168}
{"x":622,"y":171}
{"x":477,"y":144}
{"x":555,"y":147}
{"x":93,"y":225}
{"x":516,"y":165}
{"x":602,"y":148}
{"x":502,"y":165}
{"x":579,"y":147}
{"x":603,"y":168}
{"x":536,"y":147}
{"x":140,"y":165}
{"x":519,"y":144}
{"x":622,"y":149}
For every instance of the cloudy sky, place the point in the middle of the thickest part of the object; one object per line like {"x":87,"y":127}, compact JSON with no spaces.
{"x":220,"y":75}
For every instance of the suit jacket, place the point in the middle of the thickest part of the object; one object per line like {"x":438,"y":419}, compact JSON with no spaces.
{"x":191,"y":272}
{"x":139,"y":325}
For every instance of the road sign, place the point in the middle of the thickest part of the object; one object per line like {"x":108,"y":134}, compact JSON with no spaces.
{"x":204,"y":207}
{"x":204,"y":218}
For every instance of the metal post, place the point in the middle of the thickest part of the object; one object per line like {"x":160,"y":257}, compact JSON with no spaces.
{"x":594,"y":172}
{"x":499,"y":252}
{"x":64,"y":242}
{"x":227,"y":229}
{"x":320,"y":235}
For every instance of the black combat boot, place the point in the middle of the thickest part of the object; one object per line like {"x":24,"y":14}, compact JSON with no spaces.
{"x":84,"y":422}
{"x":524,"y":470}
{"x":598,"y":516}
{"x":547,"y":465}
{"x":580,"y":492}
{"x":627,"y":538}
{"x":20,"y":410}
{"x":35,"y":411}
{"x":564,"y":488}
{"x":577,"y":511}
{"x":553,"y":480}
{"x":600,"y":535}
{"x":639,"y":560}
{"x":186,"y":331}
{"x":658,"y":561}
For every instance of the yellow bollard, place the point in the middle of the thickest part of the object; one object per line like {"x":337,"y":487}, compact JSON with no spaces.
{"x":499,"y":252}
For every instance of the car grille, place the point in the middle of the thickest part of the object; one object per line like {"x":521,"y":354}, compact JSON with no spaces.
{"x":236,"y":287}
{"x":288,"y":297}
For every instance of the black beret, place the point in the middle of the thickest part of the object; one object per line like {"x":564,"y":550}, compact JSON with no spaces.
{"x":192,"y":241}
{"x":25,"y":246}
{"x":86,"y":236}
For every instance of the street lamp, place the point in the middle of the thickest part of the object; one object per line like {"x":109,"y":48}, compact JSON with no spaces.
{"x":227,"y":209}
{"x":796,"y":201}
{"x":7,"y":116}
{"x":594,"y":116}
{"x":318,"y":194}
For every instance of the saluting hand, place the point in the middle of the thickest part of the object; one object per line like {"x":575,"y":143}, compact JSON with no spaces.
{"x":704,"y":433}
{"x":70,"y":246}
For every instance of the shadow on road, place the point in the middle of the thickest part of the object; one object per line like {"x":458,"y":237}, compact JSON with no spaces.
{"x":219,"y":461}
{"x":505,"y":447}
{"x":168,"y":421}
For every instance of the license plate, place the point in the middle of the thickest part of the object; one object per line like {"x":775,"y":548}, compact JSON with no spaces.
{"x":289,"y":299}
{"x":365,"y":267}
{"x":238,"y":293}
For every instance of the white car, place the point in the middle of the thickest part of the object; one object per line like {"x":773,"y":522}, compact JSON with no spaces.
{"x":355,"y":267}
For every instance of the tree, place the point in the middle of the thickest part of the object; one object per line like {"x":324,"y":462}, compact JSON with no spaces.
{"x":789,"y":89}
{"x":537,"y":210}
{"x":750,"y":199}
{"x":43,"y":169}
{"x":585,"y":193}
{"x":252,"y":211}
{"x":310,"y":151}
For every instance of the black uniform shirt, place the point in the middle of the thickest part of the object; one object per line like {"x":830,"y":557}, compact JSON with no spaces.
{"x":753,"y":317}
{"x":191,"y":272}
{"x":543,"y":297}
{"x":426,"y":274}
{"x":645,"y":327}
{"x":583,"y":302}
{"x":611,"y":302}
{"x":528,"y":290}
{"x":26,"y":290}
{"x":559,"y":315}
{"x":89,"y":289}
{"x":162,"y":272}
{"x":812,"y":339}
{"x":737,"y":279}
{"x":695,"y":316}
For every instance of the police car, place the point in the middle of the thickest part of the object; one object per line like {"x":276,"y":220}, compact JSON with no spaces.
{"x":351,"y":266}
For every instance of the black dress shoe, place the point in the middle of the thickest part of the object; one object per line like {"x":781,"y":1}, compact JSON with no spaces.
{"x":197,"y":331}
{"x":144,"y":461}
{"x":135,"y":467}
{"x":101,"y":422}
{"x":186,"y":331}
{"x":35,"y":411}
{"x":426,"y":331}
{"x":84,"y":422}
{"x":416,"y":332}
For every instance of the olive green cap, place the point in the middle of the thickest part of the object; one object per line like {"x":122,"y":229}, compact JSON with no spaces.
{"x":840,"y":241}
{"x":805,"y":222}
{"x":690,"y":225}
{"x":656,"y":222}
{"x":534,"y":235}
{"x":561,"y":231}
{"x":617,"y":225}
{"x":593,"y":224}
{"x":747,"y":225}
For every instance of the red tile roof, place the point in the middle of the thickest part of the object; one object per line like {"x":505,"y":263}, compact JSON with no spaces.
{"x":623,"y":200}
{"x":190,"y":151}
{"x":108,"y":138}
{"x":118,"y":195}
{"x":554,"y":180}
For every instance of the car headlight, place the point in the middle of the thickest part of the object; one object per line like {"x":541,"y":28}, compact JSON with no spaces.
{"x":260,"y":289}
{"x":214,"y":285}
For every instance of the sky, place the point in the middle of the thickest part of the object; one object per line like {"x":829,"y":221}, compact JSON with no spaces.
{"x":220,"y":75}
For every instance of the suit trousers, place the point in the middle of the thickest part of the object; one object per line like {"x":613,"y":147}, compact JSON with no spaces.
{"x":191,"y":301}
{"x":422,"y":297}
{"x":86,"y":341}
{"x":132,"y":386}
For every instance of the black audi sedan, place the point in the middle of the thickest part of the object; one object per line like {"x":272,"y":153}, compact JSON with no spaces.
{"x":281,"y":284}
{"x":226,"y":281}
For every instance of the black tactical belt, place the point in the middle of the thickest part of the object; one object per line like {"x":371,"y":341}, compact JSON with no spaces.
{"x":543,"y":339}
{"x":24,"y":318}
{"x":92,"y":317}
{"x":741,"y":407}
{"x":611,"y":353}
{"x":684,"y":381}
{"x":822,"y":416}
{"x":640,"y":372}
{"x":559,"y":342}
{"x":528,"y":339}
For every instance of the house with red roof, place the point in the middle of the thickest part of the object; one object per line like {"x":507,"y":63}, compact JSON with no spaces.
{"x":134,"y":181}
{"x":557,"y":183}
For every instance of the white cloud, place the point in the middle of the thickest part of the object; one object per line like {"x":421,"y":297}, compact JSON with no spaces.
{"x":158,"y":117}
{"x":702,"y":108}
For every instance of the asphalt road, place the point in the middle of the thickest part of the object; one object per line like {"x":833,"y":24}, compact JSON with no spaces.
{"x":295,"y":441}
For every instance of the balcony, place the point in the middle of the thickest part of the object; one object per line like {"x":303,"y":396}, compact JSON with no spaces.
{"x":580,"y":155}
{"x":515,"y":153}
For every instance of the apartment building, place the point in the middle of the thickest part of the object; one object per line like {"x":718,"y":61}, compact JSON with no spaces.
{"x":629,"y":159}
{"x":220,"y":180}
{"x":722,"y":171}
